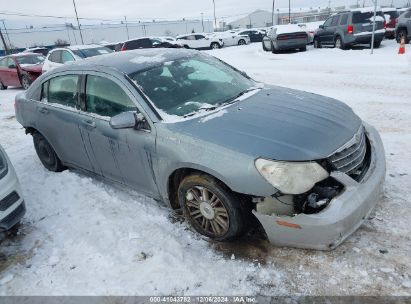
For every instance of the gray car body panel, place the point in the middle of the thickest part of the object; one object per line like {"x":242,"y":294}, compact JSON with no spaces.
{"x":275,"y":123}
{"x":404,"y":23}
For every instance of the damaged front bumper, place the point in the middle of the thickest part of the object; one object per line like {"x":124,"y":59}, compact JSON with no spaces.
{"x":344,"y":214}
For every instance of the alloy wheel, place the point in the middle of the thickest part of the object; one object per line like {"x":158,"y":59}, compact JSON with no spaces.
{"x":25,"y":82}
{"x":207,"y":210}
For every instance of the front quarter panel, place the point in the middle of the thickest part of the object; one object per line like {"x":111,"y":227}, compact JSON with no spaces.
{"x":175,"y":151}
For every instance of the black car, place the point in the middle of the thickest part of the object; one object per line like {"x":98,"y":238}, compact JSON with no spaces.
{"x":147,"y":43}
{"x":255,"y":36}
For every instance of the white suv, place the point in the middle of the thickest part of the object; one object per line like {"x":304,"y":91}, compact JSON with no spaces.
{"x":60,"y":56}
{"x":200,"y":41}
{"x":12,"y":207}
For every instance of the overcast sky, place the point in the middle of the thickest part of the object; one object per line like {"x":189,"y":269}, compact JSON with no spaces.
{"x":151,"y":9}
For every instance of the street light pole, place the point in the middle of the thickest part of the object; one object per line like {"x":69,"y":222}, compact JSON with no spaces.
{"x":6,"y":49}
{"x":289,"y":11}
{"x":202,"y":20}
{"x":78,"y":22}
{"x":272,"y":14}
{"x":215,"y":19}
{"x":373,"y":26}
{"x":125,"y":19}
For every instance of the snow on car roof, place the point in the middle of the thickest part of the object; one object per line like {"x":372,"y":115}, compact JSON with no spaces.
{"x":389,"y":9}
{"x":82,"y":46}
{"x":366,"y":9}
{"x":287,"y":28}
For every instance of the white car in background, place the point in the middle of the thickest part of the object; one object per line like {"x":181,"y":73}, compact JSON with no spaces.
{"x":231,"y":39}
{"x":310,"y":28}
{"x":12,"y":207}
{"x":59,"y":56}
{"x":200,"y":41}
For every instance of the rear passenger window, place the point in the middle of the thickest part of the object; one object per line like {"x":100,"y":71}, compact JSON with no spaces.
{"x":106,"y":98}
{"x":63,"y":90}
{"x":334,"y":20}
{"x":55,"y":57}
{"x":344,"y":19}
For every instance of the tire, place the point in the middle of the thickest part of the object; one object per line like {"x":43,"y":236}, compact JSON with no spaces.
{"x":46,"y":154}
{"x":317,"y":43}
{"x":401,"y":34}
{"x":211,"y":208}
{"x":241,"y":42}
{"x":303,"y":49}
{"x":2,"y":86}
{"x":377,"y":44}
{"x":186,"y":46}
{"x":339,"y":43}
{"x":25,"y":82}
{"x":214,"y":46}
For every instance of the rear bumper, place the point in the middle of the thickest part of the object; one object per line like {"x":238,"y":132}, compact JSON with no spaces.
{"x":344,"y":214}
{"x":366,"y":38}
{"x":290,"y":44}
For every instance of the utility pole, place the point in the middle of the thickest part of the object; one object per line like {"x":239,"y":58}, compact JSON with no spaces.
{"x":289,"y":11}
{"x":78,"y":22}
{"x":202,"y":21}
{"x":272,"y":14}
{"x":6,"y":49}
{"x":5,"y":29}
{"x":215,"y":19}
{"x":125,"y":19}
{"x":278,"y":16}
{"x":373,"y":26}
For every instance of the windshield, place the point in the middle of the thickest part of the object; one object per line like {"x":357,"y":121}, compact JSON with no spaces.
{"x":187,"y":85}
{"x":30,"y":60}
{"x":84,"y":53}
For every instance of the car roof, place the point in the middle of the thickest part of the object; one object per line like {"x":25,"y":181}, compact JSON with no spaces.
{"x":23,"y":54}
{"x":128,"y":62}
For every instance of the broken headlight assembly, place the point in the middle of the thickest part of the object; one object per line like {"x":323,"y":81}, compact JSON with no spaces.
{"x":291,"y":177}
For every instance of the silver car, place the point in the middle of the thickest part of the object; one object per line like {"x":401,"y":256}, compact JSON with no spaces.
{"x":188,"y":129}
{"x":12,"y":207}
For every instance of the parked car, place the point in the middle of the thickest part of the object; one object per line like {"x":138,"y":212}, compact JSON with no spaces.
{"x":231,"y":39}
{"x":38,"y":50}
{"x":59,"y":56}
{"x":20,"y":70}
{"x":349,"y":28}
{"x":173,"y":124}
{"x":285,"y":37}
{"x":391,"y":15}
{"x":403,"y":27}
{"x":311,"y":28}
{"x":115,"y":47}
{"x":12,"y":207}
{"x":255,"y":35}
{"x":148,"y":43}
{"x":200,"y":41}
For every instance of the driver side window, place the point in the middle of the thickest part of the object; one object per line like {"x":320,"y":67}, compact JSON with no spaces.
{"x":327,"y":22}
{"x":106,"y":98}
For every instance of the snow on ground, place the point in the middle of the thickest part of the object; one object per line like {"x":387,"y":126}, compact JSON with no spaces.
{"x":83,"y":236}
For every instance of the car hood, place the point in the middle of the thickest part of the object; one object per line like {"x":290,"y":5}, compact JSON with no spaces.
{"x":35,"y":68}
{"x":277,"y":123}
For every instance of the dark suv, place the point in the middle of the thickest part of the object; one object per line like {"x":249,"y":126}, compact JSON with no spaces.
{"x":349,"y":28}
{"x":147,"y":43}
{"x":403,"y":28}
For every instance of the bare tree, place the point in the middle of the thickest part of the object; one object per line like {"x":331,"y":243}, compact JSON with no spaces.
{"x":60,"y":42}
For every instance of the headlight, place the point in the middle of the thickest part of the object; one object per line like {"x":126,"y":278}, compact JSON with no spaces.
{"x":3,"y":165}
{"x":291,"y":177}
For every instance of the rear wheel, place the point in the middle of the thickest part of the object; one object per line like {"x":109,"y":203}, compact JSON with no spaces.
{"x":214,"y":46}
{"x":264,"y":47}
{"x":2,"y":86}
{"x":211,"y":208}
{"x":273,"y":49}
{"x":377,"y":44}
{"x":25,"y":82}
{"x":339,"y":44}
{"x":46,"y":154}
{"x":317,"y":43}
{"x":303,"y":49}
{"x":241,"y":42}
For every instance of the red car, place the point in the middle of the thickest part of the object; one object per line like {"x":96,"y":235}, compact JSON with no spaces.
{"x":20,"y":70}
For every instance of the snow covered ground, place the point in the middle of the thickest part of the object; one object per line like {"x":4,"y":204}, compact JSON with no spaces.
{"x":82,"y":236}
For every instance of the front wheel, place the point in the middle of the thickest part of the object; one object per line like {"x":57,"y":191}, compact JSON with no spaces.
{"x":339,"y":44}
{"x":214,"y":46}
{"x":317,"y":43}
{"x":46,"y":154}
{"x":25,"y":82}
{"x":2,"y":86}
{"x":211,"y":208}
{"x":402,"y":34}
{"x":241,"y":42}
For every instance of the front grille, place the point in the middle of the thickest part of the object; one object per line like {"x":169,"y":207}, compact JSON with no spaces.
{"x":9,"y":200}
{"x":351,"y":158}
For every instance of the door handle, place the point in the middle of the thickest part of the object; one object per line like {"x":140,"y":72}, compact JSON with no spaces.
{"x":89,"y":123}
{"x":43,"y":110}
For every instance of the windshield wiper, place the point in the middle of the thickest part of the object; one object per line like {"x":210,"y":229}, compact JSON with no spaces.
{"x":232,"y":100}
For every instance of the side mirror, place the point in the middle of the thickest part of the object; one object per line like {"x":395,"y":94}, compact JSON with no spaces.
{"x":12,"y":66}
{"x":321,"y":27}
{"x":123,"y":120}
